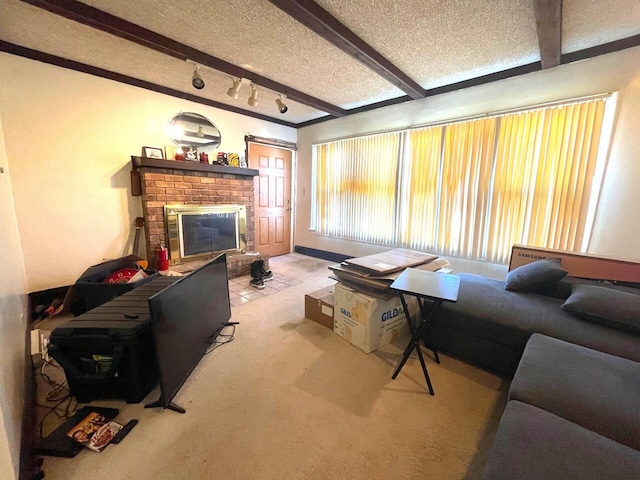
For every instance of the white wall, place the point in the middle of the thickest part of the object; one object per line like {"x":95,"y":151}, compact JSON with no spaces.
{"x":69,"y":141}
{"x":69,"y":138}
{"x":617,"y":225}
{"x":13,"y":313}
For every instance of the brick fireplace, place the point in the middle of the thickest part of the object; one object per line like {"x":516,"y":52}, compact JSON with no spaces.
{"x":166,"y":182}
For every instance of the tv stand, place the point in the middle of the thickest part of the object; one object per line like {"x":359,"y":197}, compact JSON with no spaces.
{"x":170,"y":406}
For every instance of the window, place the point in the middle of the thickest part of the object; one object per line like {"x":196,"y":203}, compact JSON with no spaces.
{"x":469,"y":189}
{"x":355,"y":188}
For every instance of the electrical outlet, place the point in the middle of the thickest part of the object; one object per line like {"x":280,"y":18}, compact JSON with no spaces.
{"x":39,"y":346}
{"x":45,"y":349}
{"x":36,"y":342}
{"x":37,"y":357}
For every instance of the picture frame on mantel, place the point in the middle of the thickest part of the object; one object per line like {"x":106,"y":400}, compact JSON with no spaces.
{"x":153,"y":152}
{"x":173,"y":152}
{"x":190,"y":153}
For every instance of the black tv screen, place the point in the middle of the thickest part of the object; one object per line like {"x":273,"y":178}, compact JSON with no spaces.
{"x":186,"y":316}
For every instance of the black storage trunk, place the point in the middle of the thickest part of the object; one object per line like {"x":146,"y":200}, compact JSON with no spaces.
{"x":92,"y":292}
{"x":109,"y":352}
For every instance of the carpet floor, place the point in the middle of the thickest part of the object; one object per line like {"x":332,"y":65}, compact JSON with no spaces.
{"x":289,"y":399}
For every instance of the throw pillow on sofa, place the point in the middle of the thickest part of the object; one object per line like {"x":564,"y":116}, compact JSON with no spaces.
{"x":606,"y":306}
{"x":534,"y":276}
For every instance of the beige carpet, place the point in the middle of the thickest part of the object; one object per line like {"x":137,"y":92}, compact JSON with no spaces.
{"x":289,"y":399}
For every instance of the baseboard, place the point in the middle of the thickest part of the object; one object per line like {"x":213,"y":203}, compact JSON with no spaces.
{"x":323,"y":254}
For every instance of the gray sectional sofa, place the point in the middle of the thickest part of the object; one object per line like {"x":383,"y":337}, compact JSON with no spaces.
{"x":572,"y":347}
{"x":490,"y":326}
{"x":573,"y":413}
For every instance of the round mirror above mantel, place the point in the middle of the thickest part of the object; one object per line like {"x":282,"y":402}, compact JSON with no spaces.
{"x":188,"y":129}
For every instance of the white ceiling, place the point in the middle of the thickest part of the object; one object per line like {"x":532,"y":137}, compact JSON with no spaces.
{"x":434,"y":42}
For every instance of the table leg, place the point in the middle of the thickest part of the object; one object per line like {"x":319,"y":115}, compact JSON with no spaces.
{"x":427,"y":318}
{"x":411,"y":345}
{"x":415,"y":339}
{"x":424,"y":369}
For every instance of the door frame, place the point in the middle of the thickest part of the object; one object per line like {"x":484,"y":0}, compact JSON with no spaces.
{"x":285,"y":145}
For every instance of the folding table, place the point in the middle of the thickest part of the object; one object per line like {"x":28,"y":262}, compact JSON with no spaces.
{"x":424,"y":285}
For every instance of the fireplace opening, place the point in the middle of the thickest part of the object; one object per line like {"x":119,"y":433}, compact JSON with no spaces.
{"x":197,"y":231}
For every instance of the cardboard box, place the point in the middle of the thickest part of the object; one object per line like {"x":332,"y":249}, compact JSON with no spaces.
{"x":318,"y":306}
{"x":391,"y":261}
{"x":367,"y":322}
{"x":366,"y":281}
{"x":582,"y":265}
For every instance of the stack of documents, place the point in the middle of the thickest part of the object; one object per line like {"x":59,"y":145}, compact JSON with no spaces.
{"x":375,"y":273}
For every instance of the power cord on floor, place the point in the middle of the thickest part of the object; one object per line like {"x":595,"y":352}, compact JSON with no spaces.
{"x":61,"y":413}
{"x":58,"y":394}
{"x":218,"y":343}
{"x":56,"y":387}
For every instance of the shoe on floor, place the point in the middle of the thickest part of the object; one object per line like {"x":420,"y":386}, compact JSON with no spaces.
{"x":257,"y":283}
{"x":255,"y":270}
{"x":266,"y":274}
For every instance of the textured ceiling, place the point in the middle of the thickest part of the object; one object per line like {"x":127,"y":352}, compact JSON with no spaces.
{"x":586,"y":23}
{"x":434,"y":42}
{"x":261,"y":38}
{"x":439,"y":42}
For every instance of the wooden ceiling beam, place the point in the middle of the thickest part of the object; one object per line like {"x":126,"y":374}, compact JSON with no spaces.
{"x":549,"y":26}
{"x":106,"y":22}
{"x":591,"y":52}
{"x":602,"y":49}
{"x":135,"y":82}
{"x":318,"y":20}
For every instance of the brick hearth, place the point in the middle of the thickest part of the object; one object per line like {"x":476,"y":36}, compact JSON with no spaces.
{"x":164,"y":182}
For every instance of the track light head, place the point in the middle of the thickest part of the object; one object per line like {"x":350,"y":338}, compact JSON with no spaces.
{"x":281,"y":105}
{"x":235,"y":88}
{"x":196,"y":79}
{"x":253,"y":99}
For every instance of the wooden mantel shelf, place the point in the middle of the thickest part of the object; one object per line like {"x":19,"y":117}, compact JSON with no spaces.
{"x":191,"y":166}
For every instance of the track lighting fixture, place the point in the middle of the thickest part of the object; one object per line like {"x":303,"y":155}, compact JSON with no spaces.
{"x":253,"y":99}
{"x":281,"y":105}
{"x":196,"y":79}
{"x":235,"y":89}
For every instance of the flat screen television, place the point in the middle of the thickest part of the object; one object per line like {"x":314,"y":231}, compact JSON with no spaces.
{"x":186,"y":318}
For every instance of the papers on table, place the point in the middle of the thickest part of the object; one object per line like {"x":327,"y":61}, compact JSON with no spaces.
{"x":377,"y":272}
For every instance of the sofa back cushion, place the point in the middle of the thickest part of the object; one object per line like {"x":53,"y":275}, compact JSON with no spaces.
{"x":589,"y":388}
{"x":534,"y":276}
{"x":606,"y":306}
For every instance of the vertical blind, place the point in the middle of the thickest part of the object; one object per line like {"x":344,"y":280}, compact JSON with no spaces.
{"x":355,"y":188}
{"x":544,"y":165}
{"x":469,"y":189}
{"x":418,"y":226}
